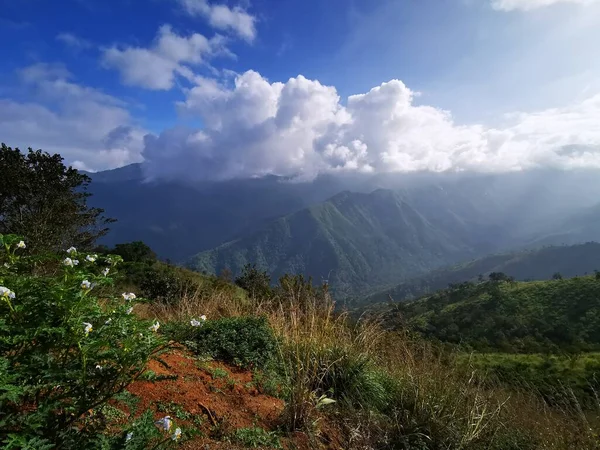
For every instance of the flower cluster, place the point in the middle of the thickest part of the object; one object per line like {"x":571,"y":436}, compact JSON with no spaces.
{"x":70,"y":262}
{"x":6,"y":293}
{"x":165,"y":424}
{"x":198,"y":323}
{"x":91,"y":258}
{"x":154,"y":327}
{"x":130,"y":296}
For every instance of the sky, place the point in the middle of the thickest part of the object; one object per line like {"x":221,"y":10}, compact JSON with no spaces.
{"x":222,"y":89}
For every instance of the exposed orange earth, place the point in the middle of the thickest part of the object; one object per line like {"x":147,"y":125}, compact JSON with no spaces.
{"x":223,"y":403}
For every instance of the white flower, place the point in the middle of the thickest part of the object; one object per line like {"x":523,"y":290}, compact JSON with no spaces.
{"x":165,"y":423}
{"x":91,"y":258}
{"x":195,"y":323}
{"x":7,"y":265}
{"x":98,"y":367}
{"x":105,"y":271}
{"x":129,"y":310}
{"x":130,"y":296}
{"x":85,"y":284}
{"x":87,"y":327}
{"x":203,"y":317}
{"x":75,"y":262}
{"x":5,"y":292}
{"x":177,"y":434}
{"x":108,"y":321}
{"x":68,"y":262}
{"x":155,"y":327}
{"x":129,"y":436}
{"x":71,"y":250}
{"x":21,"y":244}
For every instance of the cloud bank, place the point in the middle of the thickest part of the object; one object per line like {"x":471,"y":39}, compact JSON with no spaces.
{"x":90,"y":129}
{"x":301,"y":128}
{"x":528,"y":5}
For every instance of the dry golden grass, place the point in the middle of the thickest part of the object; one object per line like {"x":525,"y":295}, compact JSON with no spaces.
{"x":427,"y":401}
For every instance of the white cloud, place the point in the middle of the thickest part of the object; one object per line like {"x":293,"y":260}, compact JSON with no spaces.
{"x":75,"y":42}
{"x":90,"y":129}
{"x":170,"y":55}
{"x":223,"y":17}
{"x":527,"y":5}
{"x":301,"y":128}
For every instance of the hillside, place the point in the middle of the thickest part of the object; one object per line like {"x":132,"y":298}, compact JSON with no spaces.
{"x":355,"y":241}
{"x":535,"y":264}
{"x":522,"y":317}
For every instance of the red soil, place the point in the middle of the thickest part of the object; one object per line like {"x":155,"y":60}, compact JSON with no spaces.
{"x":224,"y":403}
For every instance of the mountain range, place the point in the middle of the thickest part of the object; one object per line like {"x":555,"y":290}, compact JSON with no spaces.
{"x":361,"y":233}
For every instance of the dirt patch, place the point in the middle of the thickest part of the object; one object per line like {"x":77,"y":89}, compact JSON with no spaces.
{"x":215,"y":398}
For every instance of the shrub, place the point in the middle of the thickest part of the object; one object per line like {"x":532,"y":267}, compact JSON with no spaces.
{"x":243,"y":341}
{"x":64,"y":352}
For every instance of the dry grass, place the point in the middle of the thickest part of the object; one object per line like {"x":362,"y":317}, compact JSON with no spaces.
{"x":415,"y":396}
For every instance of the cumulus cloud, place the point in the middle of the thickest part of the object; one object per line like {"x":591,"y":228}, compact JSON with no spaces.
{"x":91,"y":129}
{"x":301,"y":128}
{"x":75,"y":42}
{"x":223,"y":17}
{"x":170,"y":55}
{"x":527,"y":5}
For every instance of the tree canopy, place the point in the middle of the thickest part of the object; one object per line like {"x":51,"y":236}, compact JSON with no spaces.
{"x":45,"y":201}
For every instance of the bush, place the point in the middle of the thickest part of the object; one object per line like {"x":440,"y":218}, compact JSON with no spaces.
{"x":243,"y":341}
{"x":64,"y":352}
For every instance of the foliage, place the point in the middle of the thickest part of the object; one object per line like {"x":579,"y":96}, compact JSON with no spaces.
{"x":256,"y":282}
{"x":256,"y":437}
{"x":243,"y":341}
{"x":46,"y":202}
{"x":135,"y":251}
{"x":68,"y":345}
{"x":518,"y":317}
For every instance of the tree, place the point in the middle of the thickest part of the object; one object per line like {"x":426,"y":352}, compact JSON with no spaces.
{"x":557,"y":276}
{"x":256,"y":282}
{"x":46,"y":202}
{"x":135,"y":251}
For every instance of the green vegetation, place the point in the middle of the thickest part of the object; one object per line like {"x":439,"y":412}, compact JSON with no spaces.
{"x":256,"y":437}
{"x":521,"y":317}
{"x":46,"y":202}
{"x":84,"y":349}
{"x":243,"y":341}
{"x":537,"y":264}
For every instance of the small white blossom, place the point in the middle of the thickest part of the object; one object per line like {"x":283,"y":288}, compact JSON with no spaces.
{"x":85,"y":285}
{"x":7,"y":265}
{"x":129,"y":436}
{"x":75,"y":262}
{"x":105,"y":271}
{"x":68,"y":262}
{"x":108,"y":321}
{"x":129,"y":310}
{"x":155,"y":326}
{"x":71,"y":250}
{"x":195,"y":323}
{"x":87,"y":327}
{"x":130,"y":296}
{"x":91,"y":258}
{"x":5,"y":292}
{"x":98,"y":367}
{"x":165,"y":423}
{"x":21,"y":244}
{"x":203,"y":318}
{"x":177,"y":434}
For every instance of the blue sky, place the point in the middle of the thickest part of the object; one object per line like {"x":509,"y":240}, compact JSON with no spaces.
{"x":238,"y":88}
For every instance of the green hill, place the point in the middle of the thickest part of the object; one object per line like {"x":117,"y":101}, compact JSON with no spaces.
{"x":537,"y":264}
{"x":356,"y":241}
{"x":509,"y":316}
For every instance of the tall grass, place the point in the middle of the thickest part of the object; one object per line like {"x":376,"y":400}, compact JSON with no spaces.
{"x":391,"y":391}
